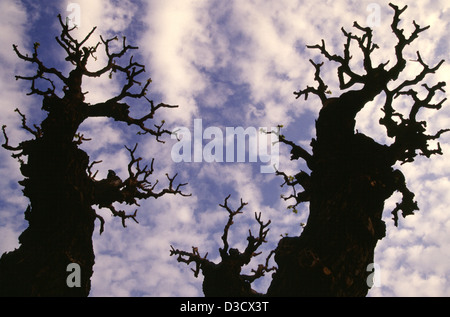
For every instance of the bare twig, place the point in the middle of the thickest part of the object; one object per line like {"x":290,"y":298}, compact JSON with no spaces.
{"x":320,"y":91}
{"x":194,"y":256}
{"x":90,"y":169}
{"x":40,"y":72}
{"x":296,"y":150}
{"x":231,"y":214}
{"x":8,"y":147}
{"x":303,"y":179}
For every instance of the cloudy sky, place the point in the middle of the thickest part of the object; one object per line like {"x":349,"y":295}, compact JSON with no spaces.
{"x":230,"y":64}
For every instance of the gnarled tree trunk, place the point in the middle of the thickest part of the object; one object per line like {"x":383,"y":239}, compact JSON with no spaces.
{"x":61,"y":223}
{"x":58,"y":179}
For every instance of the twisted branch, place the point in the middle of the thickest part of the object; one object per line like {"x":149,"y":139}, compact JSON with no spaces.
{"x":231,"y":213}
{"x":303,"y":179}
{"x":194,"y":256}
{"x":135,"y":187}
{"x":296,"y":150}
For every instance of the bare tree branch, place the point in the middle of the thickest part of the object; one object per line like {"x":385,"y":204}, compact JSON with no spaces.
{"x":320,"y":91}
{"x":120,"y":112}
{"x":402,"y":40}
{"x":134,"y":188}
{"x":408,"y":132}
{"x":232,"y":213}
{"x":41,"y":70}
{"x":7,"y":146}
{"x":261,"y":270}
{"x":255,"y":242}
{"x":297,"y":151}
{"x":37,"y":133}
{"x":194,"y":256}
{"x":90,"y":169}
{"x":303,"y":179}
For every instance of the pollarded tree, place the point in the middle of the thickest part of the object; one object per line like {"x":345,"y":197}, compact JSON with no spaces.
{"x":58,"y":180}
{"x":351,"y":177}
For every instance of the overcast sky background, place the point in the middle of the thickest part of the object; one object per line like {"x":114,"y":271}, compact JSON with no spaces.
{"x":231,"y":64}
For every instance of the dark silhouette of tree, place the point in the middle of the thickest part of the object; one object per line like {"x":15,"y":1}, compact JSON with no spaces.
{"x":351,"y":177}
{"x":58,"y":180}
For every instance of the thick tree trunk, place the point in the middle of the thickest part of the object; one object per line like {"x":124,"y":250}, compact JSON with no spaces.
{"x":331,"y":256}
{"x":60,"y":216}
{"x":61,"y":223}
{"x":351,"y":178}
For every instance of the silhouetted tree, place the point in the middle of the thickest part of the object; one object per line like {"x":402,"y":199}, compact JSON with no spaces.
{"x":58,"y":180}
{"x":351,"y":177}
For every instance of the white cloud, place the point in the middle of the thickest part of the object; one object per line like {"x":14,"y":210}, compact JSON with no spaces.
{"x":175,"y":41}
